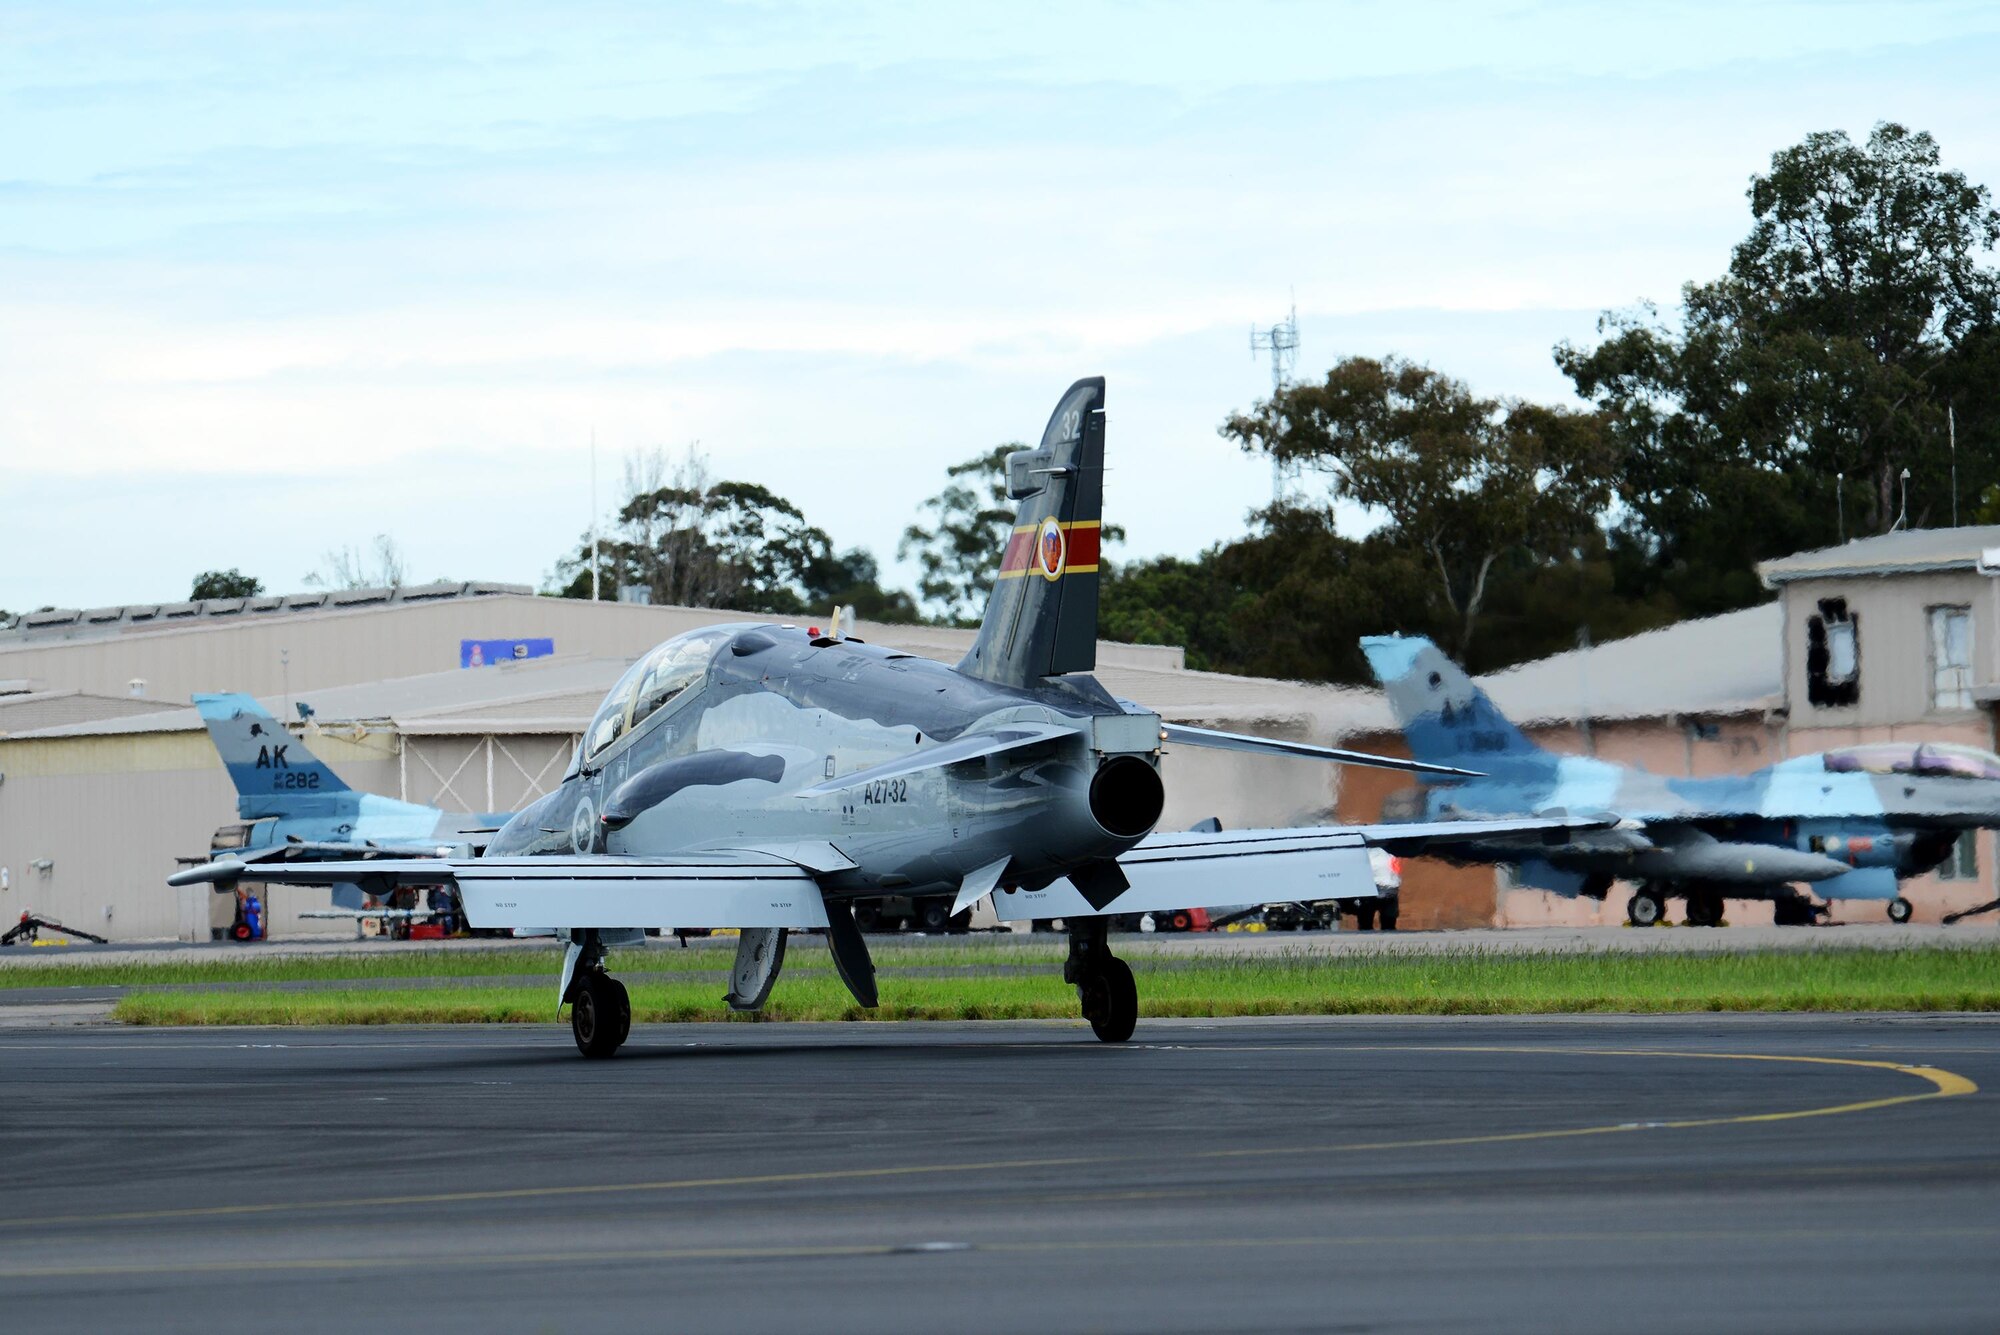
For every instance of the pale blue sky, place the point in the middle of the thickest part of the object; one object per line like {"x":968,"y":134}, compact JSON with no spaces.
{"x":275,"y":278}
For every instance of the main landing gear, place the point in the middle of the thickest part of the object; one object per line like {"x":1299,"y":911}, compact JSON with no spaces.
{"x":1648,"y":906}
{"x":600,"y":1010}
{"x":1104,"y":986}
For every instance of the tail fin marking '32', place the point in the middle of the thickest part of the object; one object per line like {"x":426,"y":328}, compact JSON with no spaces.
{"x":1041,"y":619}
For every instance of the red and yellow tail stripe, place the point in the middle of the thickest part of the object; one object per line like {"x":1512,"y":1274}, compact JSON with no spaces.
{"x":1079,"y":543}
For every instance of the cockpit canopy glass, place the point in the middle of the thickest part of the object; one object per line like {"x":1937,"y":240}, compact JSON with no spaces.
{"x":669,"y":671}
{"x":1929,"y":759}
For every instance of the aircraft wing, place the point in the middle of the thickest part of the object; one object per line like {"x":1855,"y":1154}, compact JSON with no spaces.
{"x":1196,"y":868}
{"x":730,"y":888}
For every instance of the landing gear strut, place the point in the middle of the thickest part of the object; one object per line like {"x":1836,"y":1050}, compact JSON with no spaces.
{"x":600,"y":1010}
{"x":1104,"y":986}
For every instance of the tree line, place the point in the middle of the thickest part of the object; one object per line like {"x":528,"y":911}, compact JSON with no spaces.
{"x":1824,"y":386}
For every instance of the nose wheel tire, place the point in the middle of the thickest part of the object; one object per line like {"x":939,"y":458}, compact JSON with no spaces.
{"x":600,"y":1014}
{"x":1646,"y":909}
{"x":1110,"y":1000}
{"x":1900,"y":909}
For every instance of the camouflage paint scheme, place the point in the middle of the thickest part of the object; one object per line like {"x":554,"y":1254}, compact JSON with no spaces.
{"x":295,"y":808}
{"x":1852,"y":823}
{"x":762,"y":777}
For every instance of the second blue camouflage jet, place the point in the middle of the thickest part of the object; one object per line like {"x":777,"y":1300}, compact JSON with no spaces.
{"x":293,"y":808}
{"x":1851,"y":823}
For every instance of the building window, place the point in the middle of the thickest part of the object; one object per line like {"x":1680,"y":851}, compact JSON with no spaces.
{"x":1951,"y":657}
{"x":1833,"y":656}
{"x":1963,"y":864}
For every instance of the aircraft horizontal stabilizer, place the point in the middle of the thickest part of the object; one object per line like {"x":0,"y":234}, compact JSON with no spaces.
{"x":972,"y":746}
{"x":1271,"y":746}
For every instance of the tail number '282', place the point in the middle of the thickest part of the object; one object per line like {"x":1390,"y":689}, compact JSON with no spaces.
{"x":884,"y":791}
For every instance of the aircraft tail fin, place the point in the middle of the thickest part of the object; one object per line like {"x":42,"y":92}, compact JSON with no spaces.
{"x":267,"y":764}
{"x":1445,"y":717}
{"x":1041,"y":619}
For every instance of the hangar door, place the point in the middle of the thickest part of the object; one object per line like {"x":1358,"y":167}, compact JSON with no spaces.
{"x":485,"y":771}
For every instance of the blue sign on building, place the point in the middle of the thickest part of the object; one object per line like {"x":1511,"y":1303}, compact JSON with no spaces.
{"x":484,"y":653}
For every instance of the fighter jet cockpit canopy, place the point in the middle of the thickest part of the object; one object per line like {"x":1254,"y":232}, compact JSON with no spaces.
{"x":1928,"y":759}
{"x":668,"y":673}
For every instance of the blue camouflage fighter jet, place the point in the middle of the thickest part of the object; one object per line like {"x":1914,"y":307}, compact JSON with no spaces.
{"x":1851,"y":823}
{"x":293,"y":808}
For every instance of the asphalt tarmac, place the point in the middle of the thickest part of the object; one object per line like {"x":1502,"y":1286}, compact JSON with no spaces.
{"x":1745,"y":1173}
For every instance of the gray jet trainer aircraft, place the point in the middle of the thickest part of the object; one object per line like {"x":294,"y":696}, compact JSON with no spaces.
{"x":1851,"y":823}
{"x":762,"y":777}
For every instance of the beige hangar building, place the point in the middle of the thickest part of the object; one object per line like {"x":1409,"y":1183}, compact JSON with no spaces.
{"x":107,"y":777}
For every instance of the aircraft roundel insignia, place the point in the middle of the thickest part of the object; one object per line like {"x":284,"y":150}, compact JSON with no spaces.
{"x":582,"y":828}
{"x":1050,"y":550}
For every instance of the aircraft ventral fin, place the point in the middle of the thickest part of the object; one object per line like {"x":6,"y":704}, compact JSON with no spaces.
{"x":978,"y":885}
{"x":995,"y":741}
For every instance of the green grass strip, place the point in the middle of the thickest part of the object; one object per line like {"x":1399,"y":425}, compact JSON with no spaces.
{"x":453,"y":962}
{"x":1454,"y":983}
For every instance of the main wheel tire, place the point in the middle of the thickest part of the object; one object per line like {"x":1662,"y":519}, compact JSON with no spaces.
{"x":1387,"y":912}
{"x":600,"y":1015}
{"x":1900,"y":909}
{"x":1646,"y":909}
{"x":1364,"y":917}
{"x":867,"y":917}
{"x":1110,"y":1000}
{"x":1704,"y":909}
{"x":622,"y":1009}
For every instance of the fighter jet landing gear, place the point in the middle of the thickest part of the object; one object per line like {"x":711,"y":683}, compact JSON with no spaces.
{"x":600,"y":1010}
{"x":1900,"y":909}
{"x":1648,"y":906}
{"x":1104,"y":987}
{"x":1704,"y":907}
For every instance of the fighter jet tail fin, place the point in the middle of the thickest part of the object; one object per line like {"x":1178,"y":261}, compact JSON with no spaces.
{"x":1041,"y":619}
{"x":1445,"y":717}
{"x":267,"y":764}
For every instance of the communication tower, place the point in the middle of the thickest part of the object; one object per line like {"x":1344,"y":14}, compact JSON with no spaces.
{"x":1281,"y":340}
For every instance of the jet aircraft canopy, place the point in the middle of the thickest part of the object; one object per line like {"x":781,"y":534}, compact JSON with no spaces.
{"x":1929,"y":759}
{"x":663,"y":675}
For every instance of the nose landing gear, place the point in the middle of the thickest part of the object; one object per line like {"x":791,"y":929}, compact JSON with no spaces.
{"x":600,"y":1010}
{"x":1105,"y":989}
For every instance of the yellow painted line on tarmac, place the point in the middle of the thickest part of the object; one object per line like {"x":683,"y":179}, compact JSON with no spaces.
{"x":1945,"y":1084}
{"x":597,"y":1256}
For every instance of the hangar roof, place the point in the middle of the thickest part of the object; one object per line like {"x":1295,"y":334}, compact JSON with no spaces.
{"x":28,"y":711}
{"x":1908,"y":552}
{"x":78,"y":623}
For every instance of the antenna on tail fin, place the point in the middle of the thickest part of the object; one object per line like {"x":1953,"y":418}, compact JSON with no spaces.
{"x":1041,"y":619}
